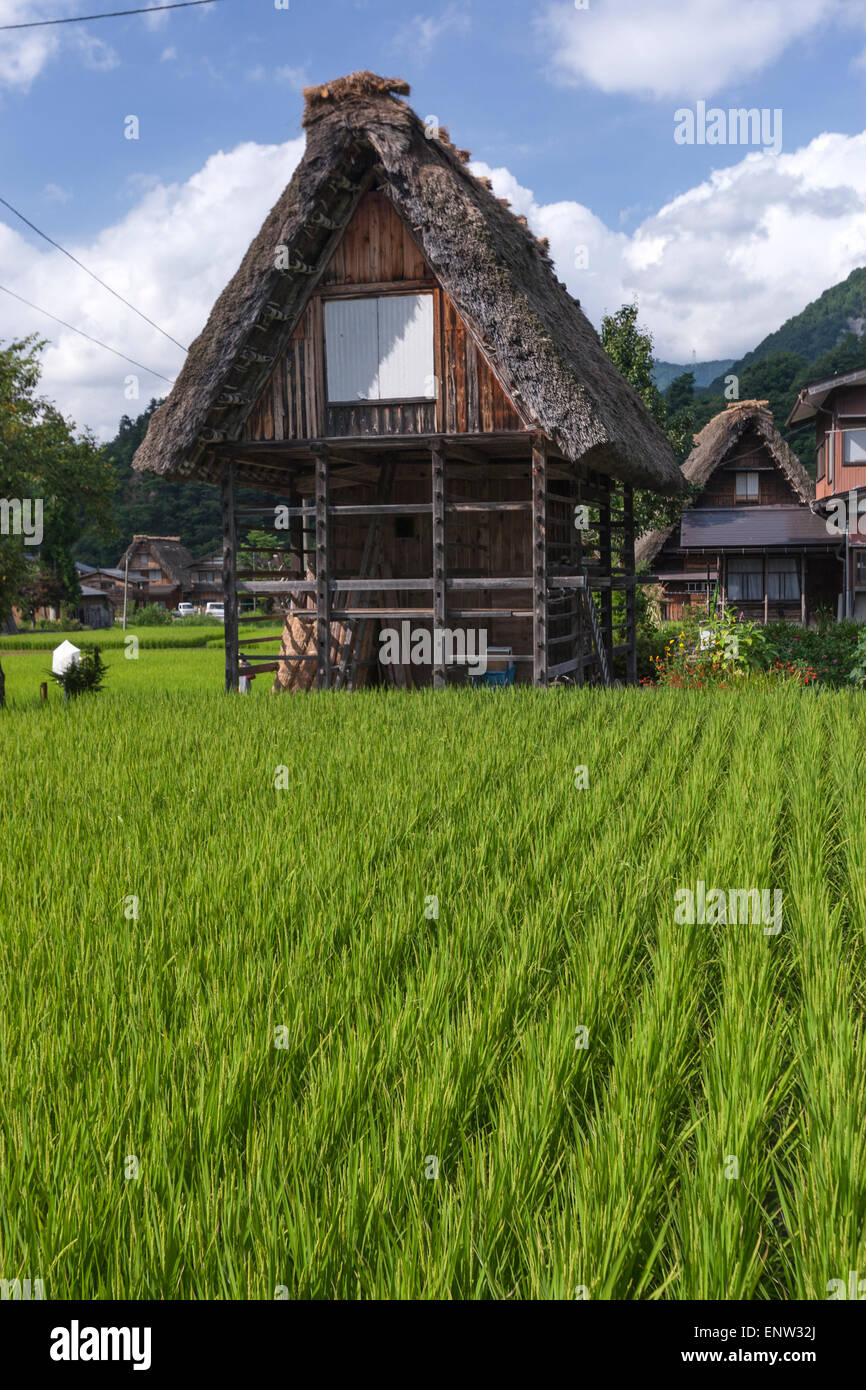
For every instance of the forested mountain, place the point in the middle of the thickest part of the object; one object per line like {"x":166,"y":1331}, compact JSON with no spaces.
{"x":826,"y":338}
{"x":703,"y":372}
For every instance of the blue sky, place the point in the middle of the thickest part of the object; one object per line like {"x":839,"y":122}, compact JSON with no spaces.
{"x":571,"y":108}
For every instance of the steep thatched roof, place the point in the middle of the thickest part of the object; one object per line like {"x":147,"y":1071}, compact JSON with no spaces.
{"x":712,"y":446}
{"x":173,"y":556}
{"x":499,"y":276}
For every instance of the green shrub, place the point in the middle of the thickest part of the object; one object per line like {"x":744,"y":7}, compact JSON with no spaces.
{"x":828,"y":652}
{"x":61,"y":625}
{"x":151,"y":615}
{"x":83,"y":677}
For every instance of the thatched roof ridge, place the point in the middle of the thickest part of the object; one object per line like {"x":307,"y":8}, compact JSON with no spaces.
{"x":172,"y":554}
{"x":714,"y":442}
{"x":497,"y":273}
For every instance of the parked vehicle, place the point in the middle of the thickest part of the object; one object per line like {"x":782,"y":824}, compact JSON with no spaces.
{"x":215,"y":610}
{"x":183,"y":610}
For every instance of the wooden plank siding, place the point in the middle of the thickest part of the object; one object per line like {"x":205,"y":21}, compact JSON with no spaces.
{"x":378,"y":251}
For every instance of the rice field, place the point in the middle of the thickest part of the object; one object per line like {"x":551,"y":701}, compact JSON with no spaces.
{"x":370,"y":997}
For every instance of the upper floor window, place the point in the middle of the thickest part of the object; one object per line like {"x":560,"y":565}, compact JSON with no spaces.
{"x":746,"y":487}
{"x":854,"y":446}
{"x":380,"y":349}
{"x":819,"y":459}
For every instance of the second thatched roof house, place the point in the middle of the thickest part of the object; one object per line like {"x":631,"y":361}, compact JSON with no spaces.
{"x":397,"y":363}
{"x":750,"y":531}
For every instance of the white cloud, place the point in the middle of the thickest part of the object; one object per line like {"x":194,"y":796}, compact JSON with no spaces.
{"x":158,"y":20}
{"x":422,"y":33}
{"x":295,"y":77}
{"x":168,"y":54}
{"x":95,"y":53}
{"x":719,"y":267}
{"x":170,"y":255}
{"x":673,"y":48}
{"x":25,"y":52}
{"x":55,"y":194}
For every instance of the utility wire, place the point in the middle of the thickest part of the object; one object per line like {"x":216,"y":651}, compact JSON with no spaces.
{"x":93,"y":276}
{"x":81,"y":333}
{"x":112,"y":14}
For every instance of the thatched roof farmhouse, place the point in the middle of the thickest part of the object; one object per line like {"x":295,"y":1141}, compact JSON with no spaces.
{"x":382,"y":206}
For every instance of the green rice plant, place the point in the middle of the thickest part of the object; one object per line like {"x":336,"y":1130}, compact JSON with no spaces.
{"x":384,"y":995}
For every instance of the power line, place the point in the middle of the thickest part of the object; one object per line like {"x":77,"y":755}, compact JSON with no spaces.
{"x":82,"y":334}
{"x":57,"y":245}
{"x":112,"y":14}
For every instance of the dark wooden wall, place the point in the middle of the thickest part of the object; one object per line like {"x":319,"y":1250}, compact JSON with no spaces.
{"x":750,"y":453}
{"x":377,"y":254}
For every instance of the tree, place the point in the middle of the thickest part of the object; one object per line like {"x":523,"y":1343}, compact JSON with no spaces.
{"x":50,"y":474}
{"x":631,"y":351}
{"x":150,"y":505}
{"x":680,"y":393}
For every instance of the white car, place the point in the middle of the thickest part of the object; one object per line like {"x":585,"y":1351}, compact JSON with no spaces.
{"x":184,"y":610}
{"x":215,"y":610}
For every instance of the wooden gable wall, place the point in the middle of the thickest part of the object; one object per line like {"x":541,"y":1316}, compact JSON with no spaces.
{"x":749,"y":452}
{"x":378,"y":255}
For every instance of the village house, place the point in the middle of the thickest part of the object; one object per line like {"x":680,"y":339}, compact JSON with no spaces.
{"x":442,"y":436}
{"x":749,"y":532}
{"x":111,"y":583}
{"x":837,"y":405}
{"x":162,"y":564}
{"x":203,"y":582}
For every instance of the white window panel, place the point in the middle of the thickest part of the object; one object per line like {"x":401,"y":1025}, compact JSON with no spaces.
{"x":380,"y":349}
{"x":406,"y":347}
{"x":747,"y":485}
{"x":352,"y":349}
{"x":854,"y":448}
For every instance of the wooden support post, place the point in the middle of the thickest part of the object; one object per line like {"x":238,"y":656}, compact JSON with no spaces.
{"x":630,"y":593}
{"x":323,"y":571}
{"x":605,"y":551}
{"x":230,"y":586}
{"x":803,"y":590}
{"x":580,"y":648}
{"x":539,"y":560}
{"x":440,"y":675}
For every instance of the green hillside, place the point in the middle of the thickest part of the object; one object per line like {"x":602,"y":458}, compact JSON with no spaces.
{"x":825,"y":338}
{"x":148,"y":505}
{"x":704,"y":373}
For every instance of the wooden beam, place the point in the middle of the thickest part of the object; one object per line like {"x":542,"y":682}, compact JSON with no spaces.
{"x":605,"y":552}
{"x":539,"y":560}
{"x":323,"y":567}
{"x":580,"y":631}
{"x":437,"y":456}
{"x":803,"y":590}
{"x":631,"y":592}
{"x":229,"y":577}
